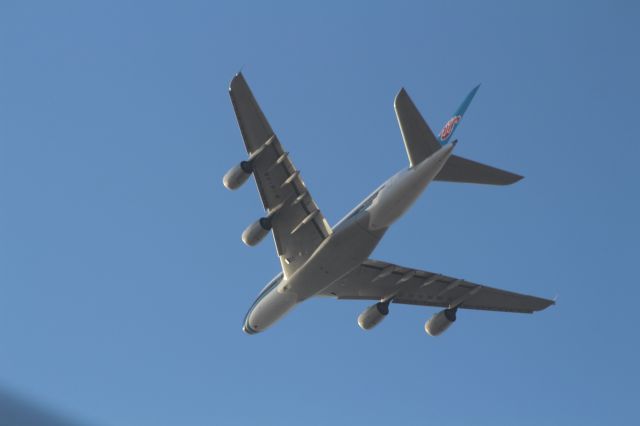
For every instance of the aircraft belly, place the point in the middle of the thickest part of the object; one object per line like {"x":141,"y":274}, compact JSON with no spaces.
{"x":343,"y":251}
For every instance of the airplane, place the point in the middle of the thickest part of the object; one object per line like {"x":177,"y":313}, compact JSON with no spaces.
{"x":320,"y":260}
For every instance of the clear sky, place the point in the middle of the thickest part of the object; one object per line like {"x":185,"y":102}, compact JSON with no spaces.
{"x":123,"y":279}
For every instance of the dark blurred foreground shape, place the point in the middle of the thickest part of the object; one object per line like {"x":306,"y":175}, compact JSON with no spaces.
{"x":19,"y":411}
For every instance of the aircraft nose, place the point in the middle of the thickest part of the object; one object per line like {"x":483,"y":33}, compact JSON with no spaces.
{"x":248,"y":329}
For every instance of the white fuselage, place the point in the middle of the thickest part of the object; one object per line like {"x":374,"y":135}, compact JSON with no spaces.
{"x":400,"y":192}
{"x":352,"y":241}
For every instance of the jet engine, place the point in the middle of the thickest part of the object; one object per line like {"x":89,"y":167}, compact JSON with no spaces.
{"x":438,"y":323}
{"x":256,"y":231}
{"x":373,"y":315}
{"x":237,"y":175}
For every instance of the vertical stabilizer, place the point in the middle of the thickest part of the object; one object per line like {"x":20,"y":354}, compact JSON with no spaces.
{"x":419,"y":140}
{"x":450,"y":126}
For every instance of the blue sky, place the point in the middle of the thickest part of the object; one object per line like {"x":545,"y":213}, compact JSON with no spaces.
{"x":123,"y":279}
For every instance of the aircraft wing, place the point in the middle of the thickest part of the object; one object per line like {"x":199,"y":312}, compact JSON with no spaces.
{"x":298,"y":225}
{"x":375,"y":280}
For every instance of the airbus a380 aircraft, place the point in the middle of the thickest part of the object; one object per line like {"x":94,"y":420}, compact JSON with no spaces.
{"x":318,"y":260}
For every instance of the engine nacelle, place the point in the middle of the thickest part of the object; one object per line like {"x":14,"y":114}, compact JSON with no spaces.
{"x":373,"y":315}
{"x":438,"y":323}
{"x":256,"y":231}
{"x":237,"y":175}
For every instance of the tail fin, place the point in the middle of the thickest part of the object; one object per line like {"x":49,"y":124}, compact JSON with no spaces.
{"x":419,"y":140}
{"x":420,"y":143}
{"x":450,"y":126}
{"x":459,"y":169}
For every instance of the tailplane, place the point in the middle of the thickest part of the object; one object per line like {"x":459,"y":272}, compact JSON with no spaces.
{"x":420,"y":142}
{"x":461,"y":170}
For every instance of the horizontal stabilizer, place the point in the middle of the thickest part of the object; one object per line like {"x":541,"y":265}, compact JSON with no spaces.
{"x":459,"y":169}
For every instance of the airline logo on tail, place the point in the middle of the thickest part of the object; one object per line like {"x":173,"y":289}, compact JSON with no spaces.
{"x":448,"y":127}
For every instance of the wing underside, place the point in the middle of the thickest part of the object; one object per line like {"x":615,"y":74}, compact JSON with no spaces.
{"x":376,"y":280}
{"x":298,"y":224}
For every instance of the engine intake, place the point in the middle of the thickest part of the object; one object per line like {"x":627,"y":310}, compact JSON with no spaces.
{"x":237,"y":175}
{"x":439,"y":323}
{"x":256,"y":231}
{"x":373,"y":315}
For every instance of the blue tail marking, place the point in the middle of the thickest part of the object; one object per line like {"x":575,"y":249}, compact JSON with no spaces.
{"x":450,"y":126}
